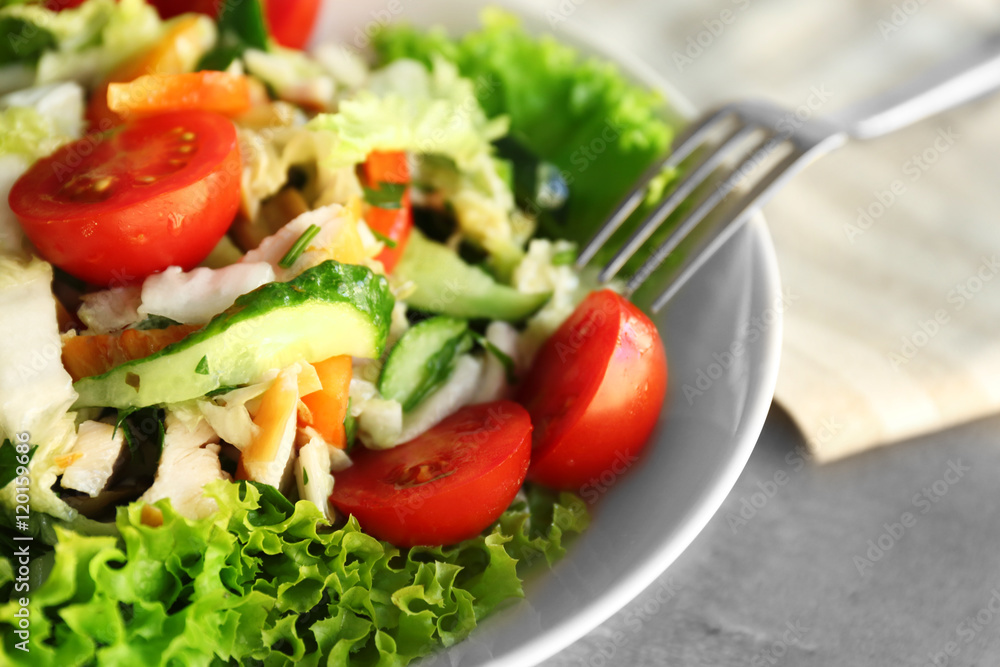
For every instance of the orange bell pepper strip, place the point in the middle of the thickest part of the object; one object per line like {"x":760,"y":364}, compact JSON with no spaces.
{"x":228,"y":94}
{"x":392,"y":224}
{"x":328,"y":406}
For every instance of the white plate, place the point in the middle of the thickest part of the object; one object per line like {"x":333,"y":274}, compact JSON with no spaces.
{"x":650,"y":515}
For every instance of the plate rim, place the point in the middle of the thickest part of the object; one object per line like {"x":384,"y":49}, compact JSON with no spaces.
{"x":756,"y":409}
{"x":765,"y":268}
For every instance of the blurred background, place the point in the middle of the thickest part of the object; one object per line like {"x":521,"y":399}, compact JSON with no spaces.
{"x":810,"y":565}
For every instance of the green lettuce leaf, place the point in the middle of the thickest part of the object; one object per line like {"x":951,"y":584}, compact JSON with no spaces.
{"x":265,"y":582}
{"x":580,"y":114}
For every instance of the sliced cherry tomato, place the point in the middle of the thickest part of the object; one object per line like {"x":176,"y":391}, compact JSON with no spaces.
{"x":444,"y":486}
{"x":171,"y":8}
{"x":221,"y":92}
{"x":114,"y":208}
{"x":594,"y":393}
{"x":392,"y":223}
{"x":289,"y":22}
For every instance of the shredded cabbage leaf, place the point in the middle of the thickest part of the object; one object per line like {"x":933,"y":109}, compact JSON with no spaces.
{"x":432,"y":110}
{"x":263,"y":580}
{"x":27,"y":133}
{"x":90,"y":40}
{"x":412,"y":108}
{"x":37,"y":391}
{"x":581,"y":114}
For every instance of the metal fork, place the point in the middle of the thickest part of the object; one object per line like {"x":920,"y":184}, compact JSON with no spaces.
{"x":766,"y":128}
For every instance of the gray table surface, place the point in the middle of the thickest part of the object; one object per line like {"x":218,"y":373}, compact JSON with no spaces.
{"x":811,"y":566}
{"x":891,"y":557}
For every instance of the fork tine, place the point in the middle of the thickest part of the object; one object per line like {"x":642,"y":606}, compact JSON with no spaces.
{"x":722,"y":232}
{"x":764,"y":148}
{"x":692,"y":180}
{"x":693,"y":138}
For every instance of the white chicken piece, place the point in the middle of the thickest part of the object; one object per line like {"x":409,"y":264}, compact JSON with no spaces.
{"x":313,"y":476}
{"x":196,"y":296}
{"x":92,"y":459}
{"x":189,"y":461}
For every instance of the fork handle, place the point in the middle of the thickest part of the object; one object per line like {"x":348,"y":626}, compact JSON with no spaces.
{"x":963,"y":79}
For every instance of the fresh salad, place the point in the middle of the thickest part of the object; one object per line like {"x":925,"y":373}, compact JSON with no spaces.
{"x":296,"y":366}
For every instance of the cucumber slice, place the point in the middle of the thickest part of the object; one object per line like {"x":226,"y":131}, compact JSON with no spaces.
{"x":423,"y":359}
{"x":328,"y":310}
{"x":447,"y":285}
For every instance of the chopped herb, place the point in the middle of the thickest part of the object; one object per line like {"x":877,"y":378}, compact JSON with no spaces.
{"x":132,"y":380}
{"x":9,"y":463}
{"x":299,"y":247}
{"x":508,"y":364}
{"x":224,"y":389}
{"x":564,"y":257}
{"x":154,"y":322}
{"x":202,"y":367}
{"x":386,"y":195}
{"x":140,"y":425}
{"x":120,"y":422}
{"x":389,"y":243}
{"x":305,"y":476}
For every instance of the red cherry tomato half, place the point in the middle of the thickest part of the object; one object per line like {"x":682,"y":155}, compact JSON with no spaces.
{"x":113,"y":208}
{"x":594,"y":392}
{"x":393,"y":224}
{"x":289,"y":22}
{"x":444,"y":486}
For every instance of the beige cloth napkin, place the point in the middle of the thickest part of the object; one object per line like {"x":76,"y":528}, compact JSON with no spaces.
{"x":893,"y":326}
{"x":893,"y":249}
